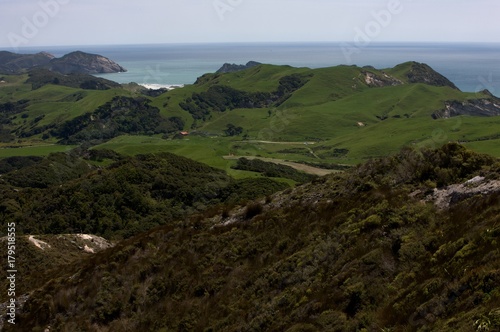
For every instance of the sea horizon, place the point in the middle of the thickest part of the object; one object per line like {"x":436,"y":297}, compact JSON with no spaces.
{"x":472,"y":66}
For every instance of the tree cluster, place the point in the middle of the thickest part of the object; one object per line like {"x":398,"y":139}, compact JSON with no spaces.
{"x":122,"y":115}
{"x":66,"y":194}
{"x":220,"y":98}
{"x":41,"y":77}
{"x":272,"y":170}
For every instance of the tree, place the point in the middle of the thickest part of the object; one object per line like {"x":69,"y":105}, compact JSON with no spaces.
{"x":232,"y":130}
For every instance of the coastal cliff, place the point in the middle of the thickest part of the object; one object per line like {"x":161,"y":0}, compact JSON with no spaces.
{"x":423,"y":73}
{"x":84,"y":63}
{"x":473,"y":107}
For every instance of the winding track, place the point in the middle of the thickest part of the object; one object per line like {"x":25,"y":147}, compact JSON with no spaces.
{"x":301,"y":167}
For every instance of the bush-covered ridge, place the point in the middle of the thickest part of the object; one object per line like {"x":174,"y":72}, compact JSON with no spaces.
{"x":349,"y":252}
{"x":67,"y":194}
{"x":119,"y":116}
{"x":219,"y":98}
{"x":41,"y":77}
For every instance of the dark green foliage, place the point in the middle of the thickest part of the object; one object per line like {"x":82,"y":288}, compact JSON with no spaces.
{"x":132,"y":195}
{"x":246,"y":189}
{"x":171,"y":125}
{"x":41,"y":77}
{"x":17,"y":163}
{"x":5,"y":135}
{"x":232,"y":130}
{"x":101,"y":155}
{"x":14,"y":108}
{"x":34,"y":172}
{"x":289,"y":84}
{"x":8,"y":112}
{"x":272,"y":170}
{"x":349,"y":252}
{"x":220,"y":98}
{"x":453,"y":163}
{"x":253,"y":209}
{"x":119,"y":116}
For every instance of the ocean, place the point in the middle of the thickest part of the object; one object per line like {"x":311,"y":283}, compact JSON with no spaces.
{"x":472,"y":67}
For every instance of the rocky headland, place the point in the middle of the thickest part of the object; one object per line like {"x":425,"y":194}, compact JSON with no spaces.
{"x":73,"y":63}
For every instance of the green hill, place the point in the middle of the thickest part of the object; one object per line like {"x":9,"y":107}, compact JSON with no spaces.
{"x":364,"y":112}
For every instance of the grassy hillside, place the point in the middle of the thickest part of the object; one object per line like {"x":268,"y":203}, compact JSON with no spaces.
{"x":338,"y":109}
{"x":364,"y":112}
{"x":366,"y":250}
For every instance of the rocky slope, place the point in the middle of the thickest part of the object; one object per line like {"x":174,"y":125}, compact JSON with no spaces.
{"x":446,"y":197}
{"x":84,"y":63}
{"x":474,"y":107}
{"x":375,"y":80}
{"x":415,"y":72}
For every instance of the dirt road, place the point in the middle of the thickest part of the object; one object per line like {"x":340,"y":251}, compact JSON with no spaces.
{"x":301,"y":167}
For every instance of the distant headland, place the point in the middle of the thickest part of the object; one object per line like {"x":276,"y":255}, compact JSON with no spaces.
{"x":72,"y":63}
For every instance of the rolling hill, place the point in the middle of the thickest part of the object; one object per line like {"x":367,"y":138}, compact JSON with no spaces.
{"x":363,"y":112}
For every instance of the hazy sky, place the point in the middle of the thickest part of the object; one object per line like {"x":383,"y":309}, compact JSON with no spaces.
{"x":28,"y":23}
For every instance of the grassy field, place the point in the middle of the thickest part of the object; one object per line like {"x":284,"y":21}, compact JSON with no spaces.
{"x":347,"y":120}
{"x":206,"y":150}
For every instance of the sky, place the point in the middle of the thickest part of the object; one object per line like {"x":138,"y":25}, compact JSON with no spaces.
{"x":33,"y":23}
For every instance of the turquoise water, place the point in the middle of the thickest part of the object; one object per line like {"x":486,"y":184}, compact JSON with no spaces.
{"x":472,"y":67}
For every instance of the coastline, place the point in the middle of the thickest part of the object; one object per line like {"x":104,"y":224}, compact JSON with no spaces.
{"x":161,"y":86}
{"x":470,"y":66}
